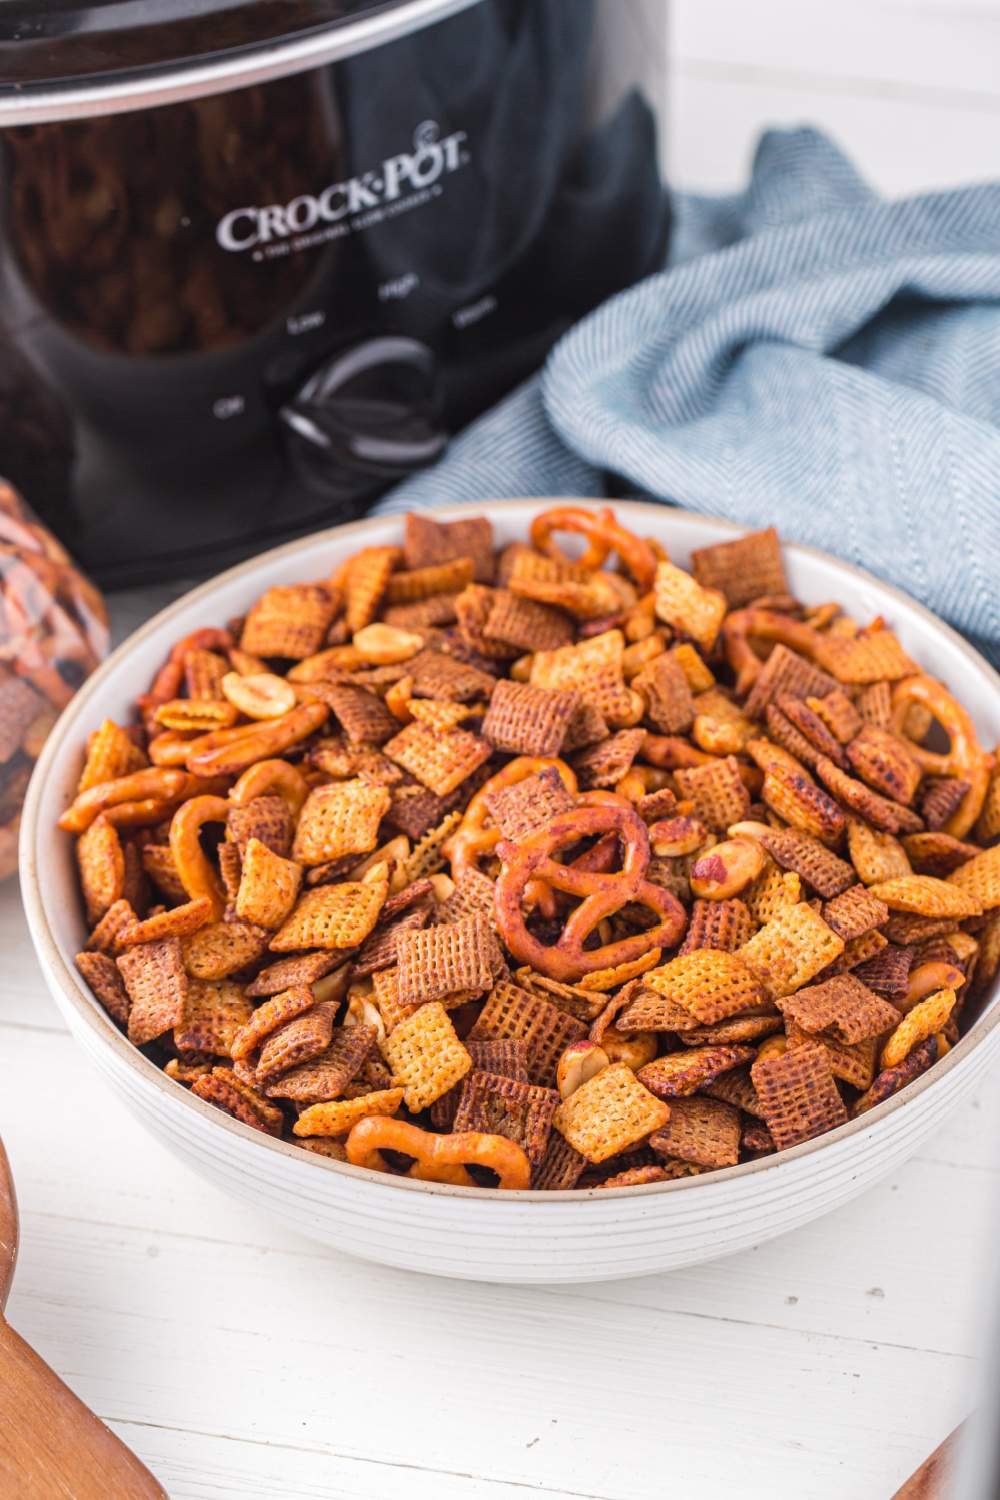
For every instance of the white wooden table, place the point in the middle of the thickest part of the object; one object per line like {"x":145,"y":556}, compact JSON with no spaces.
{"x":240,"y":1360}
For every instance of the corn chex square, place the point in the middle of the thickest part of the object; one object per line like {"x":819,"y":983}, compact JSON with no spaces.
{"x":609,"y":1113}
{"x":709,"y":983}
{"x":288,"y":622}
{"x":717,"y":791}
{"x":425,"y":1055}
{"x":684,"y":604}
{"x":441,"y":761}
{"x":978,"y":879}
{"x":593,"y":668}
{"x":214,"y":1014}
{"x":790,"y":950}
{"x":332,"y":916}
{"x":340,"y":819}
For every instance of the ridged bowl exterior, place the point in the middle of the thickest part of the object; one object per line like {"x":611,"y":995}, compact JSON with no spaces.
{"x":472,"y":1233}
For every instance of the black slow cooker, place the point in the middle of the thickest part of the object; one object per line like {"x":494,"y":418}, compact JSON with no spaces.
{"x":259,"y":260}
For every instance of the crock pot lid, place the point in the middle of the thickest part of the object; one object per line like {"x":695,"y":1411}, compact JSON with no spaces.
{"x":65,"y":59}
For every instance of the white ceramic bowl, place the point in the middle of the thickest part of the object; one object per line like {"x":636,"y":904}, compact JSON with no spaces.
{"x":468,"y":1232}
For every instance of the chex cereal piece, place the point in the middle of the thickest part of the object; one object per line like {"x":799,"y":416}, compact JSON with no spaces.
{"x":157,"y":987}
{"x":906,"y":927}
{"x":718,"y":924}
{"x":648,"y":1010}
{"x":501,"y":1106}
{"x":425,"y":1055}
{"x":176,"y":921}
{"x":853,"y":1063}
{"x":797,"y":1094}
{"x":699,"y":675}
{"x":871,"y":656}
{"x":287,"y":973}
{"x":158,"y":863}
{"x":717,"y":791}
{"x":790,"y":950}
{"x":362,"y":714}
{"x":735,"y":1087}
{"x":783,"y":732}
{"x":839,"y":714}
{"x":203,"y":674}
{"x":882,"y":760}
{"x":297,"y":1041}
{"x":104,"y":978}
{"x":269,"y":886}
{"x":368,"y":574}
{"x":593,"y":668}
{"x":426,"y":857}
{"x":222,"y":948}
{"x":746,"y":1028}
{"x":808,"y":725}
{"x":439,"y":961}
{"x":888,"y":972}
{"x":436,"y":675}
{"x":842,"y":1006}
{"x":978,"y":880}
{"x":988,"y":823}
{"x":529,"y":804}
{"x":871,"y":806}
{"x":214,"y":1014}
{"x":560,"y":1168}
{"x":876,"y":855}
{"x":441,"y":761}
{"x":937,"y":853}
{"x":546,"y":1031}
{"x":709,"y":983}
{"x":772,"y":892}
{"x":416,"y":584}
{"x":786,"y":672}
{"x":747,"y":568}
{"x":101,"y":863}
{"x":438,"y":715}
{"x":699,"y":1130}
{"x":609,"y":1113}
{"x":506,"y":1057}
{"x":269,"y":1017}
{"x":332,"y":916}
{"x":106,"y":935}
{"x":925,"y":896}
{"x":338,"y":1116}
{"x":110,"y":751}
{"x":891,"y":1080}
{"x":472,"y":609}
{"x":799,"y":801}
{"x":818,"y":866}
{"x":605,"y":764}
{"x":327,"y":1075}
{"x":585,"y":1005}
{"x":682,"y":1073}
{"x":528,"y":720}
{"x":265,"y":818}
{"x":857,"y":951}
{"x":473,"y":893}
{"x":427,"y":541}
{"x":667,"y":694}
{"x":854,"y":912}
{"x":587,"y":725}
{"x":926,"y":1019}
{"x":439,"y":609}
{"x":683,"y":603}
{"x":222,"y":1088}
{"x":379,"y":949}
{"x":288,"y":622}
{"x":340,"y":819}
{"x":524,"y":624}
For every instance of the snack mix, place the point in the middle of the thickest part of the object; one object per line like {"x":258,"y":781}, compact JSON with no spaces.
{"x":502,"y":868}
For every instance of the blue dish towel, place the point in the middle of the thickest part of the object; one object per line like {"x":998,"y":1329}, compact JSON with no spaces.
{"x":814,"y":356}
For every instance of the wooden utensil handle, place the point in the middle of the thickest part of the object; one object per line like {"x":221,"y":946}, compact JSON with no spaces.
{"x":51,"y":1444}
{"x":932,"y":1480}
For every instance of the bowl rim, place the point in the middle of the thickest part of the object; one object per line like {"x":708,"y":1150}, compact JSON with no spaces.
{"x":71,"y":987}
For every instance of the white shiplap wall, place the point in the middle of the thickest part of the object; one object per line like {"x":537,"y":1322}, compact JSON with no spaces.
{"x":909,"y":88}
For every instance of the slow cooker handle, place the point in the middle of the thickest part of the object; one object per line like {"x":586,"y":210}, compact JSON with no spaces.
{"x":331,"y":430}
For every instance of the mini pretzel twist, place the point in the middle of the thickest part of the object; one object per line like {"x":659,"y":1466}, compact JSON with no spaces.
{"x":604,"y":535}
{"x":194,"y":868}
{"x":156,"y":784}
{"x":603,"y":893}
{"x":438,"y":1158}
{"x":763,"y":625}
{"x":965,"y":758}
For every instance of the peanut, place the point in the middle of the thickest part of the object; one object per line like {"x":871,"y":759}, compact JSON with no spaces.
{"x":635,"y":1050}
{"x":726,"y":869}
{"x":673,"y":837}
{"x":580,"y":1062}
{"x":259,"y":696}
{"x":384,"y":645}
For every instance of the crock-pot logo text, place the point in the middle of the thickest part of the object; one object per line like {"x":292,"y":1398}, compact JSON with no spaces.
{"x":360,"y":200}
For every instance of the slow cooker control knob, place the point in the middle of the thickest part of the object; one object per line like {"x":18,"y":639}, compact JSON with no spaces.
{"x":367,"y":413}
